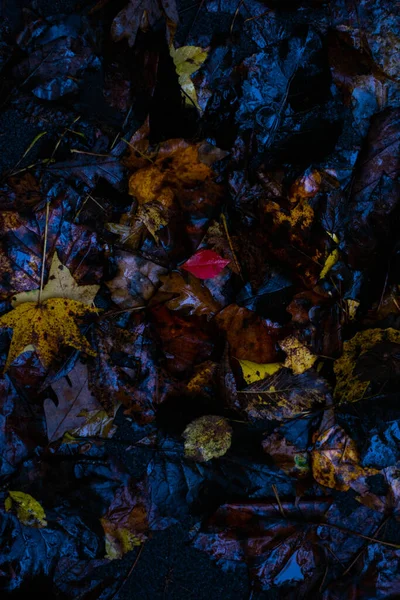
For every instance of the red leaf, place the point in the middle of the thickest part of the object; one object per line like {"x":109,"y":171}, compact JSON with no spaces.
{"x":205,"y":264}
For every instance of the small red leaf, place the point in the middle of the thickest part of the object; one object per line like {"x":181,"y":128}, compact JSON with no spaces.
{"x":205,"y":264}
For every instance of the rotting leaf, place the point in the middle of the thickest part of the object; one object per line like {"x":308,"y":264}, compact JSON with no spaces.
{"x":284,"y":396}
{"x":207,"y":437}
{"x":298,"y":356}
{"x":190,"y":297}
{"x":349,"y":387}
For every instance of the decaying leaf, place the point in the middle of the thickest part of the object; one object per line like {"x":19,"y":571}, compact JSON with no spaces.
{"x":349,"y":387}
{"x":299,"y":358}
{"x":143,"y":16}
{"x":27,"y":509}
{"x":284,"y":396}
{"x":253,"y":372}
{"x":336,"y":461}
{"x":207,"y":437}
{"x":47,"y":327}
{"x":188,"y":60}
{"x":190,"y":297}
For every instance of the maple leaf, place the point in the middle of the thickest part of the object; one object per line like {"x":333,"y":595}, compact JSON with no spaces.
{"x":47,"y":326}
{"x":205,"y":264}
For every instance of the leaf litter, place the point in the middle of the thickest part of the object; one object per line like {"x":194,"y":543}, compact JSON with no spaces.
{"x":199,"y":295}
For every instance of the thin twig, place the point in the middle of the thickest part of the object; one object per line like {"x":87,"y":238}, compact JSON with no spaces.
{"x":129,"y":572}
{"x":275,"y":490}
{"x":228,"y":237}
{"x":46,"y":228}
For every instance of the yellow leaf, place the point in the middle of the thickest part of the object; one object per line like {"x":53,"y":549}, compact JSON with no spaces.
{"x":207,"y":437}
{"x":299,"y":358}
{"x":331,"y":260}
{"x":46,"y":327}
{"x":119,"y":540}
{"x":348,"y":387}
{"x":28,"y":510}
{"x":255,"y":372}
{"x":336,"y":461}
{"x":60,"y":284}
{"x":188,"y":60}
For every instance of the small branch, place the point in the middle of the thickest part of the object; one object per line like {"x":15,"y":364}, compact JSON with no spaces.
{"x":46,"y":229}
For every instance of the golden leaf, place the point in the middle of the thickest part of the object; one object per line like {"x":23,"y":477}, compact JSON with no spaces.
{"x":336,"y":461}
{"x":255,"y":372}
{"x":119,"y":540}
{"x":348,"y":387}
{"x":28,"y":510}
{"x":46,"y":327}
{"x":188,"y":60}
{"x":207,"y":437}
{"x":299,"y":358}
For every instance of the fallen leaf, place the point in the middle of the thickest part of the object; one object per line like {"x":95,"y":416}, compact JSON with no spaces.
{"x":298,"y":356}
{"x":205,"y":264}
{"x":143,"y":16}
{"x":284,"y":396}
{"x":60,"y":284}
{"x":249,"y":336}
{"x":336,"y":461}
{"x":27,"y":509}
{"x":188,"y":60}
{"x":190,"y":297}
{"x":349,"y":387}
{"x":255,"y":372}
{"x":46,"y":327}
{"x":73,"y":397}
{"x":207,"y":437}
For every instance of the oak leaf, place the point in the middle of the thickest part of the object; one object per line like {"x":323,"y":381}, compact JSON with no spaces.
{"x":191,"y":297}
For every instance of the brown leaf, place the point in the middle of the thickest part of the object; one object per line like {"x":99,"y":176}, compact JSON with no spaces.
{"x":190,"y":296}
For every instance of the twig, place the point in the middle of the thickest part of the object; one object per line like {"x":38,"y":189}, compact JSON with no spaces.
{"x":353,"y":562}
{"x":274,"y":489}
{"x":129,"y":572}
{"x":224,"y":223}
{"x":46,"y":228}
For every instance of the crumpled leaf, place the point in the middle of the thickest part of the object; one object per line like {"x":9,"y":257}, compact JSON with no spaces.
{"x":207,"y":437}
{"x":350,"y":387}
{"x":205,"y":264}
{"x":298,"y":356}
{"x":336,"y":461}
{"x":60,"y":284}
{"x":190,"y":297}
{"x":284,"y":396}
{"x":46,"y":327}
{"x":27,"y":509}
{"x":188,"y":60}
{"x":253,"y":372}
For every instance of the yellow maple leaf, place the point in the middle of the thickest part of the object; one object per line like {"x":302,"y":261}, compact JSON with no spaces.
{"x":188,"y":60}
{"x":46,"y":327}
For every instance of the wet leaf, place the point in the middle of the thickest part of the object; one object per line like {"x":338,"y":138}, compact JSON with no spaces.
{"x":190,"y":297}
{"x":207,"y":437}
{"x":27,"y":509}
{"x":298,"y":356}
{"x":205,"y":264}
{"x":253,"y":372}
